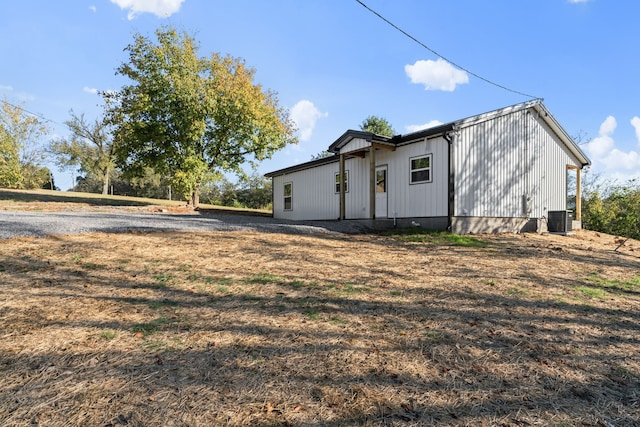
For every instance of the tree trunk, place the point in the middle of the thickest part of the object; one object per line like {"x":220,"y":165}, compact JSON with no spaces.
{"x":105,"y":183}
{"x":195,"y":198}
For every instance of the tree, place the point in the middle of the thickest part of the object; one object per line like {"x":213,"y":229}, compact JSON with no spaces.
{"x":186,"y":116}
{"x":377,"y":125}
{"x":20,"y":158}
{"x":90,"y":148}
{"x":322,"y":155}
{"x":614,"y":210}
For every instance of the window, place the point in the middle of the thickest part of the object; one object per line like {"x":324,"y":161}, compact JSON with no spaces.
{"x":420,"y":169}
{"x":381,"y":181}
{"x":346,"y":182}
{"x":288,"y":196}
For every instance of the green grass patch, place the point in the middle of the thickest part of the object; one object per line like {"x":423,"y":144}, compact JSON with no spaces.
{"x":108,"y":335}
{"x":161,"y":304}
{"x":347,"y":288}
{"x":222,"y":281}
{"x":517,"y":291}
{"x":157,"y":325}
{"x":262,"y":279}
{"x":312,"y":313}
{"x":148,"y":328}
{"x":338,"y":321}
{"x":629,"y":285}
{"x":419,"y":235}
{"x":591,"y":292}
{"x":164,"y":279}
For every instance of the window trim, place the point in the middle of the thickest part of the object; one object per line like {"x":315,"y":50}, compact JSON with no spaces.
{"x":336,"y":184}
{"x":430,"y":169}
{"x":285,"y":197}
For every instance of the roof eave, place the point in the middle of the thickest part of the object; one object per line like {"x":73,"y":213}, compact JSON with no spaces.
{"x":562,"y":133}
{"x":306,"y":165}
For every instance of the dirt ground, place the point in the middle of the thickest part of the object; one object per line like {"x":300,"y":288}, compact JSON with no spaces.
{"x":269,"y":329}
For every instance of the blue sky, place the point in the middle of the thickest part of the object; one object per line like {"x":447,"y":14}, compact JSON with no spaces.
{"x":333,"y":62}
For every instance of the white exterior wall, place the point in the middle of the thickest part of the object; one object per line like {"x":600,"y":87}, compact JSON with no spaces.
{"x":313,"y":194}
{"x":407,"y":200}
{"x":499,"y":162}
{"x":357,"y":196}
{"x":354,"y":145}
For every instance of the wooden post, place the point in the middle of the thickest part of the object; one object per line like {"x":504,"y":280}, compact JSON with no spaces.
{"x":578,"y":215}
{"x":372,"y":182}
{"x":342,"y":193}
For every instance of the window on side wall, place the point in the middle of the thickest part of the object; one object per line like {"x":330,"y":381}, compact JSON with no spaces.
{"x":288,"y":196}
{"x":420,"y":169}
{"x":346,"y":181}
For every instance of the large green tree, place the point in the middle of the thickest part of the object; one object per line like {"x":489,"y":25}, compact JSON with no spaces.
{"x":20,"y":156}
{"x":187,"y":116}
{"x":377,"y":125}
{"x":614,"y":210}
{"x":90,"y":148}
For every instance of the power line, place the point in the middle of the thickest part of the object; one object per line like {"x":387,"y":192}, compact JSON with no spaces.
{"x":31,"y":113}
{"x":441,"y":56}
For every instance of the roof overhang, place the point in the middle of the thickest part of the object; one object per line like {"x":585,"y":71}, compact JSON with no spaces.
{"x":307,"y":165}
{"x":380,"y":141}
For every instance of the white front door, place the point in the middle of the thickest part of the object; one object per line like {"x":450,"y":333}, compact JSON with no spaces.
{"x":381,"y":192}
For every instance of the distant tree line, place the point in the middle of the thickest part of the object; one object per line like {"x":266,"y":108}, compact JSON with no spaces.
{"x":20,"y":159}
{"x":612,"y":208}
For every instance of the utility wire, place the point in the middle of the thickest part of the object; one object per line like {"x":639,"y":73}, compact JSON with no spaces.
{"x":441,"y":56}
{"x":40,"y":116}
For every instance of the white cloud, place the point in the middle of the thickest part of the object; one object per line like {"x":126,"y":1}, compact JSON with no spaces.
{"x":305,"y":115}
{"x":635,"y":122}
{"x":603,"y":143}
{"x":6,"y":87}
{"x":416,"y":128}
{"x":578,"y":1}
{"x":610,"y":161}
{"x":93,"y":9}
{"x":160,"y":8}
{"x":91,"y":90}
{"x":436,"y":75}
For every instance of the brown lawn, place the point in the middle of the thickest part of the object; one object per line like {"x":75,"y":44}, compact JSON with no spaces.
{"x":243,"y":328}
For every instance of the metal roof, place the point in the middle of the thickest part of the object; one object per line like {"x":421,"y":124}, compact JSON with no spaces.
{"x":396,"y":140}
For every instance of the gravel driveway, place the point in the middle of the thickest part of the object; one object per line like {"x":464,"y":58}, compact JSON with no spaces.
{"x":40,"y":224}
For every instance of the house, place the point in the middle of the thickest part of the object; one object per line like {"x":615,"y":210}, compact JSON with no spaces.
{"x":501,"y":171}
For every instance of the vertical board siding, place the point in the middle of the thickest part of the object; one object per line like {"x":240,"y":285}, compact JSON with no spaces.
{"x":354,"y":145}
{"x":500,"y":162}
{"x":357,"y":198}
{"x":407,"y":200}
{"x":314,"y":194}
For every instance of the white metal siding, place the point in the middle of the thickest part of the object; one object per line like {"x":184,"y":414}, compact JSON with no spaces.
{"x":354,"y":145}
{"x":427,"y":199}
{"x":313,"y":194}
{"x":500,"y":162}
{"x":357,"y":198}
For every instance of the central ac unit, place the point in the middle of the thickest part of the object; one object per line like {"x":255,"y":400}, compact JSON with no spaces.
{"x":560,"y":221}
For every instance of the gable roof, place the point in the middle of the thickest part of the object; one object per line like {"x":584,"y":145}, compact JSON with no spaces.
{"x":536,"y":105}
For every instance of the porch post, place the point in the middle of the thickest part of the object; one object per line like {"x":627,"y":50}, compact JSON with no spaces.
{"x":372,"y":182}
{"x":578,"y":215}
{"x":342,"y":197}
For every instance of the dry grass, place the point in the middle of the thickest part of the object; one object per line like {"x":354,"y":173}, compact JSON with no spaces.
{"x":240,"y":328}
